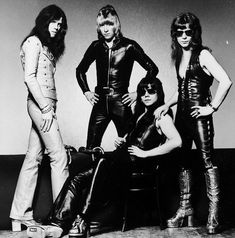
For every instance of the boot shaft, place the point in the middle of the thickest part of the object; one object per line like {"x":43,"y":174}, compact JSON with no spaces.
{"x":212,"y":184}
{"x":185,"y":184}
{"x":213,"y":191}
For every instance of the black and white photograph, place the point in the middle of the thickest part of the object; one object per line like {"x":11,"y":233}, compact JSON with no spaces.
{"x":117,"y":119}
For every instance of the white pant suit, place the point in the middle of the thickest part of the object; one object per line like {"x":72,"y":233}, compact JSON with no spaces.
{"x":39,"y":67}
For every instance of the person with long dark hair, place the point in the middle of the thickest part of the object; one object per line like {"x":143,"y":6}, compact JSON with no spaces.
{"x":40,"y":51}
{"x":148,"y":138}
{"x":114,"y":56}
{"x":195,"y":68}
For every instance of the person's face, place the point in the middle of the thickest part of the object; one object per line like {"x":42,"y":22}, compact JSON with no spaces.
{"x":108,"y":28}
{"x":54,"y":27}
{"x":184,"y":36}
{"x":148,"y":96}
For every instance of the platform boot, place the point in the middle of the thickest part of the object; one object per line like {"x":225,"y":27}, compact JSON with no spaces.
{"x":184,"y":214}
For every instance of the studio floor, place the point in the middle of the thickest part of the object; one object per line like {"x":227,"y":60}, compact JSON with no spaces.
{"x":145,"y":232}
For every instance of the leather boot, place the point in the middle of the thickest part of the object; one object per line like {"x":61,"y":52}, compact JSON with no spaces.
{"x":185,"y":210}
{"x":212,"y":184}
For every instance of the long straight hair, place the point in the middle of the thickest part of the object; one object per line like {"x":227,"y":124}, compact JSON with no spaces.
{"x":48,"y":14}
{"x":196,"y":42}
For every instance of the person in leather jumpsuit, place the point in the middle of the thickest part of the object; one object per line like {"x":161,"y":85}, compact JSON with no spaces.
{"x":114,"y":56}
{"x":147,"y":139}
{"x":195,"y":68}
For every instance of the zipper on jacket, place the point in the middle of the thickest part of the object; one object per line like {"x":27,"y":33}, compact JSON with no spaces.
{"x":109,"y":58}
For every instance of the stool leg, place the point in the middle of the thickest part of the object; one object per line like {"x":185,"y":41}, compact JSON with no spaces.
{"x":158,"y":203}
{"x":125,"y":215}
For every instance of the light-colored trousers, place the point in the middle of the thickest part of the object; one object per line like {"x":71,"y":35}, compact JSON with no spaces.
{"x":38,"y":142}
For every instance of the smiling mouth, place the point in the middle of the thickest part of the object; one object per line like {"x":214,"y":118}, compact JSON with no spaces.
{"x":184,"y":42}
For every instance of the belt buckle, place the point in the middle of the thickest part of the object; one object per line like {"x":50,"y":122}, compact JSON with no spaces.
{"x":108,"y":91}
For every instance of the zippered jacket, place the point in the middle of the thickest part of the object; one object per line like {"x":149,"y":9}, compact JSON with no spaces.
{"x":114,"y":65}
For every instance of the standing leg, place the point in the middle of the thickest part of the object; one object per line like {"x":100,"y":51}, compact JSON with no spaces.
{"x":58,"y":158}
{"x":212,"y":184}
{"x":21,"y":208}
{"x":121,"y":115}
{"x":98,"y":123}
{"x":185,"y":210}
{"x":204,"y":142}
{"x":53,"y":143}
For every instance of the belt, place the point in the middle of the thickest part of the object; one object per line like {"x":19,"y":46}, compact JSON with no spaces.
{"x":107,"y":91}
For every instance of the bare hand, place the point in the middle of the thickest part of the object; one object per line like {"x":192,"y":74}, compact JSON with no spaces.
{"x":201,"y":111}
{"x":119,"y":141}
{"x":92,"y":97}
{"x":129,"y":98}
{"x":134,"y":150}
{"x":47,"y":120}
{"x":162,"y":110}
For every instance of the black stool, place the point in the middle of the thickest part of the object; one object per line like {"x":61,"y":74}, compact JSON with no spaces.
{"x":142,"y":181}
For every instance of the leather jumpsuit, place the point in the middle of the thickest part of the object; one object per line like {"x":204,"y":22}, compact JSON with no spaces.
{"x":103,"y":180}
{"x":113,"y":68}
{"x":194,"y":90}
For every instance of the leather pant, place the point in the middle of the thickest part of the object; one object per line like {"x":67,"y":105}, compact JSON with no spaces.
{"x":109,"y":108}
{"x":200,"y":131}
{"x":91,"y":190}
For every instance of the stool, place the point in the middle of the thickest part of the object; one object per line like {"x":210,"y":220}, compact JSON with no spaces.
{"x":142,"y":181}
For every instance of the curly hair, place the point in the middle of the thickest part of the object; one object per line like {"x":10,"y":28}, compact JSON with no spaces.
{"x":56,"y":44}
{"x":155,"y":84}
{"x":194,"y":25}
{"x":107,"y":12}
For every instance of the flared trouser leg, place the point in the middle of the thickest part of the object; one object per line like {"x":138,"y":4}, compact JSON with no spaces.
{"x":27,"y":181}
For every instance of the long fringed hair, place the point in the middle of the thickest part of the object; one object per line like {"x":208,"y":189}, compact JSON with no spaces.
{"x":56,"y":44}
{"x":104,"y":12}
{"x":196,"y":43}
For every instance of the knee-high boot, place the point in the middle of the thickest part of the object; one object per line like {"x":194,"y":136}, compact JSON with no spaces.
{"x":212,"y":184}
{"x":185,"y":210}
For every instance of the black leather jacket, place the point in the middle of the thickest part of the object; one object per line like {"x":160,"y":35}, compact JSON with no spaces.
{"x":113,"y":66}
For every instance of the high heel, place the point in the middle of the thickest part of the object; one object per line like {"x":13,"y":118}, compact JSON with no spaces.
{"x":181,"y":219}
{"x":17,"y":224}
{"x":184,"y":214}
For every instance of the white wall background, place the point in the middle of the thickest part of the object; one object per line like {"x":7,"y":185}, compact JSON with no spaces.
{"x":148,"y":22}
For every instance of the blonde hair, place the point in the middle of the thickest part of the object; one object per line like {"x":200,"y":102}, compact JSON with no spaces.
{"x":108,"y":14}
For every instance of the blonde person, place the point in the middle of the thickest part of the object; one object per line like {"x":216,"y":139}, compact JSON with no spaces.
{"x":40,"y":51}
{"x":114,"y":56}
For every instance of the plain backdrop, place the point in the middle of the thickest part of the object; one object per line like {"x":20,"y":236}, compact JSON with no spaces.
{"x":148,"y":22}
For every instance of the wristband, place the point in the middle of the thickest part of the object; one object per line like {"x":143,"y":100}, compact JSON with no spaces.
{"x":45,"y":107}
{"x":46,"y":110}
{"x":214,"y":108}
